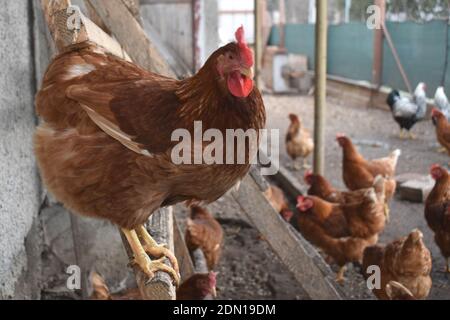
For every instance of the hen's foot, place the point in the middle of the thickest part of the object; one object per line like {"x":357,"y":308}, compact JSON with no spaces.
{"x":142,"y":259}
{"x":401,"y":135}
{"x":340,"y":275}
{"x":442,"y":150}
{"x":306,"y":166}
{"x":412,"y":136}
{"x":296,"y":166}
{"x":387,"y":212}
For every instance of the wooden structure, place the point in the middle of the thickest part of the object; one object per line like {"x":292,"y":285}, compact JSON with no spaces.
{"x":134,"y":44}
{"x":321,"y":86}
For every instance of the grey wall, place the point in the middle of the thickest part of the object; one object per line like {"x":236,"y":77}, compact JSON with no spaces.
{"x":19,"y":183}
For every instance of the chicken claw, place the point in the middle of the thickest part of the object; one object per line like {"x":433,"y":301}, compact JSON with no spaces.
{"x":401,"y":136}
{"x":142,"y":259}
{"x":442,"y":150}
{"x":412,"y":136}
{"x":340,"y":275}
{"x":305,"y":164}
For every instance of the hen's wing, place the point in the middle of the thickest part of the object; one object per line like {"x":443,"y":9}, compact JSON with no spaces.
{"x":404,"y":108}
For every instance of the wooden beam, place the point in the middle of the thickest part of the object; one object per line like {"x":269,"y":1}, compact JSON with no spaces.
{"x":259,"y":39}
{"x":296,"y":254}
{"x":397,"y":58}
{"x":57,"y":15}
{"x":182,"y":253}
{"x":132,"y":36}
{"x":160,"y":226}
{"x":321,"y":86}
{"x":377,"y":67}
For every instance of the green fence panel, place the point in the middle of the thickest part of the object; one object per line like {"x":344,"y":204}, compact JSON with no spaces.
{"x":421,"y":48}
{"x":350,"y":51}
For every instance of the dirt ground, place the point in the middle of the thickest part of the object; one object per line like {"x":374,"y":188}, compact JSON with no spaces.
{"x":376,"y":134}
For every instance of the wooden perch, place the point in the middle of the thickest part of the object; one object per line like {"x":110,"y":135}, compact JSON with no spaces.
{"x":118,"y":19}
{"x":160,"y":225}
{"x":296,"y":254}
{"x":182,"y":253}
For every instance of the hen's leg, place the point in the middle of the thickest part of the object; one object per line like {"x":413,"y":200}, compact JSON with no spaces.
{"x":401,"y":136}
{"x":447,"y":269}
{"x":340,"y":275}
{"x":141,"y":258}
{"x":305,"y":164}
{"x":412,"y":136}
{"x":295,"y":165}
{"x":387,"y":212}
{"x":158,"y":250}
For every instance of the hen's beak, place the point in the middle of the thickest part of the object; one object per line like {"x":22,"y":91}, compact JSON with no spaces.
{"x":247,"y":72}
{"x":214,"y":292}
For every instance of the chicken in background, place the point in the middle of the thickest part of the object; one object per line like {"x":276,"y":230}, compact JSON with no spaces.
{"x":407,"y":112}
{"x":342,"y":231}
{"x":104,"y":145}
{"x":299,"y":143}
{"x":279,"y":202}
{"x":320,"y":187}
{"x":100,"y":290}
{"x":441,"y":102}
{"x":442,"y":130}
{"x":198,"y":287}
{"x":437,"y":211}
{"x":397,"y":291}
{"x":359,"y":173}
{"x":204,"y":232}
{"x":407,"y":261}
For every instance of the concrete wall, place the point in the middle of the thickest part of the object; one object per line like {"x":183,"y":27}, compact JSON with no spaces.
{"x":19,"y":183}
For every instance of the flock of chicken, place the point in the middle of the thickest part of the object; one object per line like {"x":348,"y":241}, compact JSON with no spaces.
{"x":345,"y":225}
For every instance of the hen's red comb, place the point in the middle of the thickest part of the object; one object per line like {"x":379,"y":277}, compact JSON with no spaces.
{"x":245,"y":51}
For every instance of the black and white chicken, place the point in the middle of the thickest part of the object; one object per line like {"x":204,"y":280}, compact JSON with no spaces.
{"x":408,"y":111}
{"x":441,"y":102}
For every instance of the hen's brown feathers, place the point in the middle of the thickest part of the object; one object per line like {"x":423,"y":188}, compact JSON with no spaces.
{"x":406,"y":260}
{"x":204,"y":232}
{"x":104,"y":148}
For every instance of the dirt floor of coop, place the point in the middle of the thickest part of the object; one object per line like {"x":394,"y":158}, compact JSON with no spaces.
{"x":376,"y":134}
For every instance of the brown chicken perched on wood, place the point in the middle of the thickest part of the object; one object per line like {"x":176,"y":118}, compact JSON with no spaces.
{"x":104,"y":147}
{"x":437,"y":211}
{"x":342,"y":231}
{"x":442,"y":129}
{"x":279,"y":202}
{"x":407,"y":261}
{"x":359,"y":173}
{"x":299,"y":143}
{"x":322,"y":188}
{"x":204,"y":232}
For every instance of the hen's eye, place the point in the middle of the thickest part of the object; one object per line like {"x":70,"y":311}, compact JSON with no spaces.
{"x":230,"y":57}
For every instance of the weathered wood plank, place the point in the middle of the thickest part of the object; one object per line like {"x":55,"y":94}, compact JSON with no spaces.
{"x":182,"y":253}
{"x":165,"y":1}
{"x":160,"y":226}
{"x":130,"y":34}
{"x":296,"y":254}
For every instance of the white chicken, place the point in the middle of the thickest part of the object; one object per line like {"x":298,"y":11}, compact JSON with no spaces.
{"x":441,"y":102}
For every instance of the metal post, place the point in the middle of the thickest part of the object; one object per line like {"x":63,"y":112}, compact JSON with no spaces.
{"x":320,"y":84}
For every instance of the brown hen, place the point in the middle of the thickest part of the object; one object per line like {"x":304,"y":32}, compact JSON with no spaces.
{"x":442,"y":129}
{"x":407,"y":261}
{"x":104,"y":147}
{"x":299,"y":143}
{"x":279,"y":202}
{"x":204,"y":232}
{"x":437,"y":211}
{"x":342,"y":231}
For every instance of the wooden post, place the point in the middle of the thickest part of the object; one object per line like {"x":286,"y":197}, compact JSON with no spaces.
{"x":131,"y":35}
{"x":320,"y":84}
{"x":377,"y":67}
{"x":397,"y":58}
{"x":259,"y":16}
{"x":295,"y":253}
